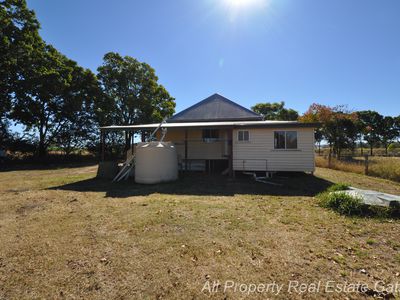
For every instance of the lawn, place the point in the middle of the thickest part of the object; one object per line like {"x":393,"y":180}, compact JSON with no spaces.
{"x":65,"y":234}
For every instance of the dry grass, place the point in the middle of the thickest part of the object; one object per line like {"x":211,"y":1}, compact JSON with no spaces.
{"x":383,"y":167}
{"x":66,"y":235}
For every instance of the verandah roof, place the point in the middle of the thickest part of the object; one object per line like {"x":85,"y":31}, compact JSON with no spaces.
{"x":227,"y":124}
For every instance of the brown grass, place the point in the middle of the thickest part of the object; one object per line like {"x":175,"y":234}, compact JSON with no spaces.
{"x":67,"y":235}
{"x":383,"y":167}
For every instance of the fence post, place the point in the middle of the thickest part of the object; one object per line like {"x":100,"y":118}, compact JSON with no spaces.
{"x":366,"y":164}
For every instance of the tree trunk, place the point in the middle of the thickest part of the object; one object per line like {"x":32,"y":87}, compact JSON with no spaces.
{"x":371,"y":150}
{"x":42,"y":149}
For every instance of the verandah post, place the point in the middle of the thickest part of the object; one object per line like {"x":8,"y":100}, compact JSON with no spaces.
{"x":230,"y":143}
{"x":186,"y":149}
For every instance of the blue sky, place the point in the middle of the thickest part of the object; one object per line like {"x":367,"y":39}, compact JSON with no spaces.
{"x":297,"y":51}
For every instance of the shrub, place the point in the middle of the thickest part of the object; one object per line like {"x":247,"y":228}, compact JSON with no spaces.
{"x":338,"y":187}
{"x":349,"y":205}
{"x":342,"y":203}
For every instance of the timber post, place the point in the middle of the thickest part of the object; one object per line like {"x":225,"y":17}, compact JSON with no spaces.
{"x":230,"y":143}
{"x":186,"y":150}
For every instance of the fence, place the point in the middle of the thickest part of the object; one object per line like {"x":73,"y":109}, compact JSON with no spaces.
{"x":359,"y":161}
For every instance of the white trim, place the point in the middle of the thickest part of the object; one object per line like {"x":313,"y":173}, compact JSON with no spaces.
{"x":287,"y":149}
{"x":243,"y":141}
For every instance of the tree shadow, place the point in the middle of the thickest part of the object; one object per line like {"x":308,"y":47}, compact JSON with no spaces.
{"x":292,"y":184}
{"x":9,"y":167}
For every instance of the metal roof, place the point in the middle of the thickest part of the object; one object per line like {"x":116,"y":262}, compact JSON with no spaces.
{"x":215,"y":108}
{"x":226,"y":124}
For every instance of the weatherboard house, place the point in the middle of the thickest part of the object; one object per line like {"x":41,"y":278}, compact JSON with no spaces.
{"x":219,"y":134}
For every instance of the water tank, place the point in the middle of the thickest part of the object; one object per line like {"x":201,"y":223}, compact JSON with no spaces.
{"x":156,"y":162}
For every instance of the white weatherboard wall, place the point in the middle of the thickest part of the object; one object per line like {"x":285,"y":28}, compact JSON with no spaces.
{"x":258,"y":154}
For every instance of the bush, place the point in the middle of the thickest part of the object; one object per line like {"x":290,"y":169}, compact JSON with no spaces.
{"x":338,"y":187}
{"x":349,"y":205}
{"x":342,"y":203}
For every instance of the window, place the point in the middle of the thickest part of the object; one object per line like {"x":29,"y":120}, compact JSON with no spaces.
{"x":291,"y":139}
{"x":243,"y":136}
{"x":285,"y":139}
{"x":210,"y":135}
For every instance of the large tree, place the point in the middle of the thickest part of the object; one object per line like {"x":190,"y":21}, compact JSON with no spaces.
{"x":51,"y":94}
{"x":18,"y":37}
{"x":371,"y":124}
{"x":80,"y":128}
{"x":131,"y":93}
{"x":397,"y":127}
{"x":388,"y":132}
{"x":275,"y":111}
{"x":338,"y":126}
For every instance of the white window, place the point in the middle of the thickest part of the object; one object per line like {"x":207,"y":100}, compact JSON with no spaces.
{"x":285,"y":139}
{"x":243,"y":136}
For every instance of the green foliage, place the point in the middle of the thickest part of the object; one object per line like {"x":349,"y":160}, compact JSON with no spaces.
{"x":275,"y":111}
{"x":371,"y":124}
{"x":18,"y":34}
{"x":53,"y":97}
{"x":338,"y":126}
{"x":131,"y":93}
{"x":335,"y":199}
{"x":40,"y":88}
{"x":341,"y":202}
{"x":338,"y":187}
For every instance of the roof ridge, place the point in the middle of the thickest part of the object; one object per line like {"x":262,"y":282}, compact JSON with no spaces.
{"x":214,"y":97}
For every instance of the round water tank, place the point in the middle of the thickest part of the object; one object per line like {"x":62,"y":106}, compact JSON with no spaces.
{"x":156,"y":162}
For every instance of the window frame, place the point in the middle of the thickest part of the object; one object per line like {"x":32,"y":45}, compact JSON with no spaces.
{"x":210,"y":139}
{"x":243,"y":140}
{"x":286,"y":140}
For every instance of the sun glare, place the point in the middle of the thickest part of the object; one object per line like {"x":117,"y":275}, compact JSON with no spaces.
{"x":236,"y":4}
{"x":235,"y":8}
{"x":243,"y":3}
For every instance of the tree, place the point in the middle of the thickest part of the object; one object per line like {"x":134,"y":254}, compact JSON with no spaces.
{"x":80,"y":127}
{"x":275,"y":111}
{"x":131,"y":93}
{"x":338,"y":125}
{"x":388,"y":132}
{"x":371,"y":122}
{"x":50,"y":94}
{"x":397,"y":127}
{"x":18,"y":36}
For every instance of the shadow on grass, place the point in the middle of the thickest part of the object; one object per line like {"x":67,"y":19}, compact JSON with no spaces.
{"x":293,"y":184}
{"x":8,"y":167}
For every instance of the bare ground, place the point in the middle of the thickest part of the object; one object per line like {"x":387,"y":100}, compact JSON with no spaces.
{"x":64,"y":234}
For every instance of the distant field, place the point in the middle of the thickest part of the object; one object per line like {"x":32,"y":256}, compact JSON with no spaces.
{"x":383,"y":167}
{"x":65,"y":234}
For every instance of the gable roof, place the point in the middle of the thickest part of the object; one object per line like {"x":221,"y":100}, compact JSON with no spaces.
{"x":215,"y":108}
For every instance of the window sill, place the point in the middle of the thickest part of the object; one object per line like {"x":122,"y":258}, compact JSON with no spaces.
{"x":243,"y":142}
{"x":286,"y":150}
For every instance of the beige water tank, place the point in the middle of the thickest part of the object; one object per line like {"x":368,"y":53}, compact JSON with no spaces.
{"x":156,"y":162}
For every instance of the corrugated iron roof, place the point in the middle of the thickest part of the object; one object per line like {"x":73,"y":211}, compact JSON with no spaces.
{"x":215,"y":108}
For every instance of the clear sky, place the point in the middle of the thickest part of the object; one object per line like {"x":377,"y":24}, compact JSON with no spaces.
{"x":297,"y":51}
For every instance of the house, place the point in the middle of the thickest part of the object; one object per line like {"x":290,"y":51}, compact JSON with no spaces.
{"x":219,"y":134}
